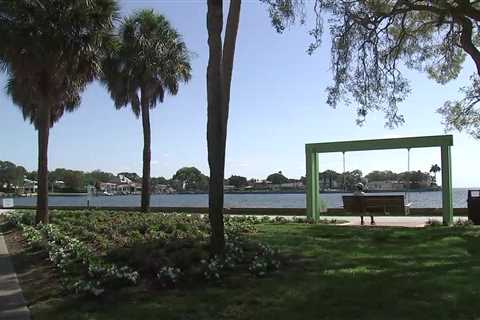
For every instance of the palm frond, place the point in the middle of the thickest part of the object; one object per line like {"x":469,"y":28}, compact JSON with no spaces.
{"x":150,"y":58}
{"x":52,"y":49}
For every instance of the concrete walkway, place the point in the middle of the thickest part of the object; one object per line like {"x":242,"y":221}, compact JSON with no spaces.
{"x":380,"y":221}
{"x":383,"y":221}
{"x":12,"y":303}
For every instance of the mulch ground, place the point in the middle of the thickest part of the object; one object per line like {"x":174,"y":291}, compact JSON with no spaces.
{"x":34,"y":271}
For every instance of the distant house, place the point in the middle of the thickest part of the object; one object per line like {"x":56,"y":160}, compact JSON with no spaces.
{"x":228,"y":187}
{"x":127,"y":188}
{"x":123,"y":179}
{"x":385,"y":185}
{"x":29,"y":186}
{"x":123,"y":188}
{"x":59,"y":184}
{"x":120,"y":185}
{"x":136,"y":187}
{"x":109,"y":187}
{"x":326,"y":183}
{"x":262,"y":185}
{"x":295,"y":185}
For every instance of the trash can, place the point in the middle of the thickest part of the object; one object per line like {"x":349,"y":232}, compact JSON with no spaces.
{"x":473,"y":202}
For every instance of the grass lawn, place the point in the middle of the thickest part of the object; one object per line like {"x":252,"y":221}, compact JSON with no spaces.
{"x":330,"y":272}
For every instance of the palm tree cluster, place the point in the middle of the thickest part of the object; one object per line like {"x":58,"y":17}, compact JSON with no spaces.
{"x":52,"y":49}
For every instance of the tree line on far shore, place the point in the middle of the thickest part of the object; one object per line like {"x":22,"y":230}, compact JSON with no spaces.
{"x":75,"y":181}
{"x":332,"y":180}
{"x":192,"y":179}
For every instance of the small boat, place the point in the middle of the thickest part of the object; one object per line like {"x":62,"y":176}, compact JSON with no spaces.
{"x":105,"y":193}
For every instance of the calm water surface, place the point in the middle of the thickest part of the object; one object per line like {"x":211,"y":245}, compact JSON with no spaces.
{"x":266,"y":200}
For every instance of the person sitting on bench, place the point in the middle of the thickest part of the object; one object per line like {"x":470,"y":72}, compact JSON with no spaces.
{"x":359,"y":193}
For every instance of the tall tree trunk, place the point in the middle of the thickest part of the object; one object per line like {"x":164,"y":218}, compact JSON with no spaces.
{"x":219,"y":73}
{"x":215,"y":135}
{"x":147,"y":155}
{"x":43,"y":127}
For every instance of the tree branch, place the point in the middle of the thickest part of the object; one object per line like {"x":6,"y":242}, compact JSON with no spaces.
{"x":467,"y":43}
{"x":229,"y":50}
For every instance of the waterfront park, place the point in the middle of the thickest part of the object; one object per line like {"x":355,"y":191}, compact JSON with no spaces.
{"x":97,"y":245}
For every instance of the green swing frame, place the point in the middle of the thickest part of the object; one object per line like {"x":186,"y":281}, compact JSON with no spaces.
{"x":445,"y":142}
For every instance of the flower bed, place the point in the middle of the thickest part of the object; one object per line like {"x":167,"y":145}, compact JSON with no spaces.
{"x":83,"y":271}
{"x":99,"y":251}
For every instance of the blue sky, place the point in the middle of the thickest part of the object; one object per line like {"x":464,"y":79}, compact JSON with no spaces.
{"x":277,"y":105}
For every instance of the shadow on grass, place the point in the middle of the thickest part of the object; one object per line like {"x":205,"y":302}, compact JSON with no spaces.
{"x":383,"y":273}
{"x":333,"y":273}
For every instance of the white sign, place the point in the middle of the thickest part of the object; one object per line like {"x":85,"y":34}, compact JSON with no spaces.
{"x":8,"y":203}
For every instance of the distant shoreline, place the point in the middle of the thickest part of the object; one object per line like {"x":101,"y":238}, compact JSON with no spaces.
{"x":238,"y":192}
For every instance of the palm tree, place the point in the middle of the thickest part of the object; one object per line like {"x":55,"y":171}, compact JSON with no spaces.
{"x":148,"y":59}
{"x":51,"y":50}
{"x":434,"y":169}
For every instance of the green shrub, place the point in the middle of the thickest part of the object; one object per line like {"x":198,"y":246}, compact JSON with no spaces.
{"x":463,"y":223}
{"x":433,"y":223}
{"x":168,"y":277}
{"x":265,"y":261}
{"x":213,"y":268}
{"x":265,"y":219}
{"x":280,"y":220}
{"x":22,"y":217}
{"x":33,"y":237}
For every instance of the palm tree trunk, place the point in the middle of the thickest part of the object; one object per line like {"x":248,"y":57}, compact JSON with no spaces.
{"x":219,"y":74}
{"x":147,"y":155}
{"x":43,"y":128}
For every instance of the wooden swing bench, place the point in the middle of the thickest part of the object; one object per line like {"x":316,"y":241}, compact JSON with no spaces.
{"x":375,"y":205}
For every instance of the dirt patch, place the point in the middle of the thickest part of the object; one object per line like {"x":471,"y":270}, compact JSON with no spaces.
{"x":37,"y":276}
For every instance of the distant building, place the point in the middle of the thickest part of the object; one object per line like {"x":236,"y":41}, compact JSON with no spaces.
{"x":59,"y":184}
{"x":262,"y":185}
{"x":123,"y":179}
{"x":109,"y":187}
{"x":120,"y":185}
{"x":385,"y":185}
{"x":123,"y":188}
{"x":326,"y":184}
{"x":228,"y":187}
{"x":29,"y":186}
{"x":297,"y":185}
